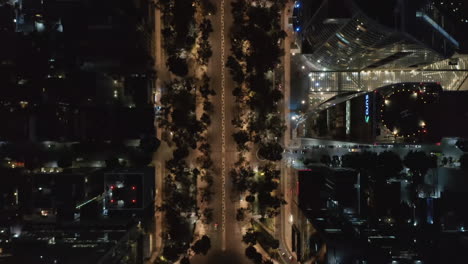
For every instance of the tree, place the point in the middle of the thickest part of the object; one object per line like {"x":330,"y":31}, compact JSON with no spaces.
{"x":208,"y":107}
{"x":238,"y":93}
{"x":202,"y":246}
{"x":238,"y":9}
{"x":241,"y":137}
{"x":418,"y":163}
{"x":208,"y":7}
{"x":325,"y":159}
{"x":204,"y":51}
{"x":389,"y":164}
{"x":250,"y":198}
{"x":208,"y":215}
{"x":205,"y":26}
{"x":241,"y":178}
{"x":276,"y":95}
{"x":180,"y":153}
{"x":271,"y":151}
{"x":276,"y":125}
{"x":252,"y":254}
{"x":206,"y":119}
{"x":206,"y":194}
{"x":275,"y":244}
{"x":235,"y":69}
{"x":240,"y":215}
{"x":335,"y":161}
{"x":250,"y":237}
{"x":177,"y":65}
{"x":208,"y":178}
{"x":172,"y":252}
{"x":205,"y":148}
{"x":185,"y":260}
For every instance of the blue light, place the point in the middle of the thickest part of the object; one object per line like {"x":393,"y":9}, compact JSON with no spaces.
{"x":297,"y":5}
{"x":298,"y":29}
{"x":367,"y":109}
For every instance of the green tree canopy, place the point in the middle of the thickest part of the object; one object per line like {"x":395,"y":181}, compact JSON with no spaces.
{"x":202,"y":246}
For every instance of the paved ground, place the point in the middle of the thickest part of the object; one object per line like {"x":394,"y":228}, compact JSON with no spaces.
{"x":163,"y":152}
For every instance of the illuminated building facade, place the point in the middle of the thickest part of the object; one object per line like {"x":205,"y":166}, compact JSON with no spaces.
{"x":403,"y":112}
{"x":365,"y":34}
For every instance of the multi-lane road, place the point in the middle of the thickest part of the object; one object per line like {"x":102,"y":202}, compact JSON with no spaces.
{"x":226,"y":238}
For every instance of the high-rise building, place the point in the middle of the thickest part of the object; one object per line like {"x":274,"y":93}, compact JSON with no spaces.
{"x":76,"y":85}
{"x":365,"y":34}
{"x":403,"y":112}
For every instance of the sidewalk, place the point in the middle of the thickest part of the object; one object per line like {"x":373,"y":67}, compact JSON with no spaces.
{"x":283,"y":252}
{"x":289,"y":139}
{"x":159,"y":167}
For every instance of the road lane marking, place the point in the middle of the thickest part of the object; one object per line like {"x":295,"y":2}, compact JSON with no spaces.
{"x":223,"y":134}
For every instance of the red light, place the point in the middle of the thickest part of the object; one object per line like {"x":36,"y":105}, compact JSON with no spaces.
{"x":112,"y":187}
{"x":112,"y":201}
{"x":133,"y":201}
{"x":438,"y":144}
{"x":425,"y":131}
{"x":133,"y":188}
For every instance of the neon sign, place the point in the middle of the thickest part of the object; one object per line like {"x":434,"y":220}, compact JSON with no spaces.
{"x":367,"y":109}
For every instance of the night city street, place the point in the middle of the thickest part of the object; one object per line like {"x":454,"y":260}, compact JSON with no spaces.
{"x":233,"y":131}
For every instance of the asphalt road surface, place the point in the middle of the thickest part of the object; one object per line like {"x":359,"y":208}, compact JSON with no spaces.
{"x":226,"y":245}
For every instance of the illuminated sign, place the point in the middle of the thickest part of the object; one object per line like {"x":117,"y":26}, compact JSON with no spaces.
{"x":367,"y":109}
{"x":348,"y":117}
